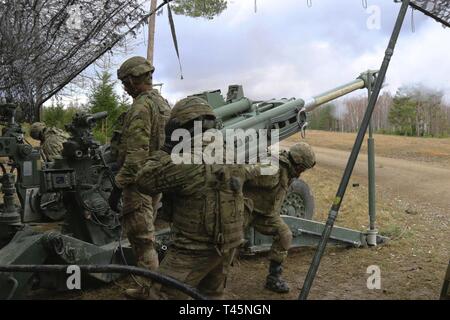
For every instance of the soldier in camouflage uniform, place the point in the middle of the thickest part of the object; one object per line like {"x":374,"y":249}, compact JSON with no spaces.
{"x":268,"y":194}
{"x":141,"y":134}
{"x":51,"y":138}
{"x":206,"y":204}
{"x":115,"y":143}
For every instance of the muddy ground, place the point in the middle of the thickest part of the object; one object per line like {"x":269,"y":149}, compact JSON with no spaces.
{"x":413,"y":209}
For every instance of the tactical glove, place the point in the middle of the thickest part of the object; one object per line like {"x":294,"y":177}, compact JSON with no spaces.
{"x":114,"y":198}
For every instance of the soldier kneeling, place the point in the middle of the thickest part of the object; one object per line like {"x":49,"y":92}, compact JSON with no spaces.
{"x":267,"y":194}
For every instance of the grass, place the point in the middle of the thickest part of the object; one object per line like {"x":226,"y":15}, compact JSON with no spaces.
{"x":410,"y":148}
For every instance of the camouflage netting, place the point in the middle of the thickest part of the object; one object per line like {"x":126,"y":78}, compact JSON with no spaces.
{"x":437,"y":9}
{"x":45,"y":43}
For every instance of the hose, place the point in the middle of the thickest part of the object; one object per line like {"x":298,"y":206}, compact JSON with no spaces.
{"x":164,"y":280}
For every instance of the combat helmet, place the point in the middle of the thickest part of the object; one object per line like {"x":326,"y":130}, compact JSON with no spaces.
{"x":37,"y":129}
{"x":303,"y":155}
{"x":135,"y":67}
{"x":189,"y":109}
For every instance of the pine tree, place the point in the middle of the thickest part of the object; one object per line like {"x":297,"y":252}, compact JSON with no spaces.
{"x":104,"y":98}
{"x":322,"y":118}
{"x":402,"y":116}
{"x":53,"y":116}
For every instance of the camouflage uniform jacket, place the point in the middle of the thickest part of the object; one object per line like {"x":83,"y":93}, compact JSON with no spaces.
{"x":53,"y":143}
{"x":206,"y":200}
{"x":269,"y":192}
{"x":142,"y":133}
{"x":115,"y":139}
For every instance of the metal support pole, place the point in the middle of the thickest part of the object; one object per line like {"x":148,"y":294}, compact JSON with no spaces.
{"x":334,"y":211}
{"x":372,"y":232}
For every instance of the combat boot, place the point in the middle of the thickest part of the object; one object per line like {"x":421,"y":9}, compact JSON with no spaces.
{"x":274,"y":282}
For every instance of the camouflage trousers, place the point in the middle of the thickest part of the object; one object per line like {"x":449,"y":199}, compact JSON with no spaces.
{"x":205,"y":270}
{"x":137,"y":224}
{"x":272,"y":225}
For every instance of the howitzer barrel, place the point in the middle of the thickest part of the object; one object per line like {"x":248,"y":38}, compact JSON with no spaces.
{"x":296,"y":106}
{"x":287,"y":118}
{"x":334,"y":94}
{"x":97,"y":116}
{"x":255,"y":121}
{"x":234,"y":108}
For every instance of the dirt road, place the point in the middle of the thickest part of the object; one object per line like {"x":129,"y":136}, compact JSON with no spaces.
{"x":419,"y":182}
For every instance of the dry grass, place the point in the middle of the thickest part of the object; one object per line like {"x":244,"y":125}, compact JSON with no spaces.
{"x":432,"y":150}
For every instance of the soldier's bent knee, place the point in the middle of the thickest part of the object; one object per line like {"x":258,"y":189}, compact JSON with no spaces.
{"x":285,"y":238}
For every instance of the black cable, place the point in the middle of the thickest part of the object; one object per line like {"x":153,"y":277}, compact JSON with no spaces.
{"x":157,"y":277}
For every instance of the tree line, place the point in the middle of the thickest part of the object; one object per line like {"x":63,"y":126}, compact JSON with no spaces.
{"x":413,"y":111}
{"x":102,"y":97}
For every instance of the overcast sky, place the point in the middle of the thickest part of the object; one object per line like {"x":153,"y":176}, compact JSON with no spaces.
{"x":286,"y":49}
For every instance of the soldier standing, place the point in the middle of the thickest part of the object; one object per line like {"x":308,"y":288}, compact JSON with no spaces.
{"x":142,"y":133}
{"x":268,"y":194}
{"x":51,"y":139}
{"x":206,"y":204}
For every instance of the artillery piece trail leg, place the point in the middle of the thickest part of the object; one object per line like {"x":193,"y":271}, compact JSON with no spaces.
{"x":25,"y":248}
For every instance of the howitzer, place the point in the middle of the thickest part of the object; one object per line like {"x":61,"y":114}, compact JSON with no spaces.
{"x":90,"y":233}
{"x":288,"y":117}
{"x":22,"y":159}
{"x":84,"y":180}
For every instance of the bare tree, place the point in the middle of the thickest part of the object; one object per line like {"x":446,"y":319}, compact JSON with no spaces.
{"x":355,"y":112}
{"x":44,"y":44}
{"x":355,"y":107}
{"x":380,"y":116}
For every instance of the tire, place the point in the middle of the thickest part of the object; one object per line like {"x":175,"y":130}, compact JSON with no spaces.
{"x":299,"y":201}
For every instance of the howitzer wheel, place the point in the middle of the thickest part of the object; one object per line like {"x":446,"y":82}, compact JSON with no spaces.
{"x":299,"y":202}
